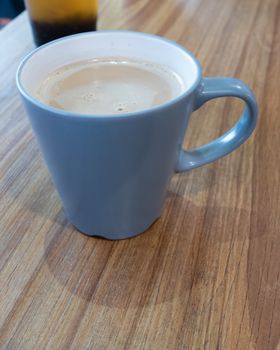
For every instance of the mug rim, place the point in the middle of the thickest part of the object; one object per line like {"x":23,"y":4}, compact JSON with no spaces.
{"x":69,"y":114}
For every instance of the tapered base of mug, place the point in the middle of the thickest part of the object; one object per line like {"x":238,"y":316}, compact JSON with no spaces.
{"x":117,"y":236}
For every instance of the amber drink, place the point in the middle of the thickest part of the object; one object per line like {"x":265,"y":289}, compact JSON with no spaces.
{"x":52,"y":19}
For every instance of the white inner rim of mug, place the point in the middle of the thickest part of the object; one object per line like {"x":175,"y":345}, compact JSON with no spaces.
{"x":133,"y":45}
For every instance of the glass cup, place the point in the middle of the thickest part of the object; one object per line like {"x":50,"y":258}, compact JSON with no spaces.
{"x":53,"y":19}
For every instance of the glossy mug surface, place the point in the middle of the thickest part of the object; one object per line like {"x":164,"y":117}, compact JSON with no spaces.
{"x":112,"y":171}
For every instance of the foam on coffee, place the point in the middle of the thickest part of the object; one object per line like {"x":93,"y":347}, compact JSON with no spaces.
{"x":109,"y":86}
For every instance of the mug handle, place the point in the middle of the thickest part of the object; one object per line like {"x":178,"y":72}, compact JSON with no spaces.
{"x":211,"y":88}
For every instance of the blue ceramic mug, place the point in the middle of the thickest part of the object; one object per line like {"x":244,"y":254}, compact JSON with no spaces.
{"x":112,"y":171}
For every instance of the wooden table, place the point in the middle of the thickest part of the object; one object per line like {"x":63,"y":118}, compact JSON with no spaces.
{"x":206,"y":275}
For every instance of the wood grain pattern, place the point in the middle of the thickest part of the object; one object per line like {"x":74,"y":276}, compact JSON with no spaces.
{"x":206,"y":275}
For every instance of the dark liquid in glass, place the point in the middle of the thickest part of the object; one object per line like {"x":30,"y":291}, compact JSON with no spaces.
{"x":44,"y":32}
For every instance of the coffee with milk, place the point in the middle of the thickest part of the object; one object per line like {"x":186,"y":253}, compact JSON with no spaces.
{"x":106,"y":86}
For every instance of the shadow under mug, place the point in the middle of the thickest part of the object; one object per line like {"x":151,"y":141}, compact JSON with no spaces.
{"x":112,"y":171}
